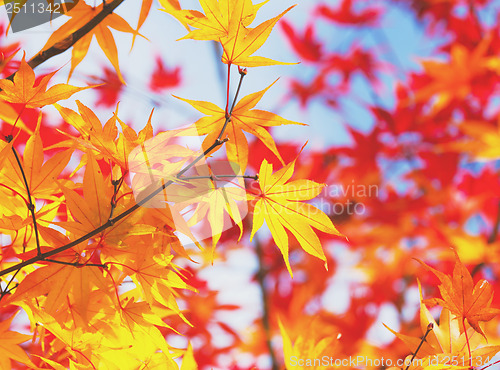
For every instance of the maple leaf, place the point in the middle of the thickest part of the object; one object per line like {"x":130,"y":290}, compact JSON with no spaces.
{"x":93,"y":210}
{"x":445,"y":341}
{"x":306,"y":347}
{"x":219,"y":201}
{"x":61,"y":283}
{"x":9,"y":346}
{"x":23,"y":90}
{"x":110,"y":90}
{"x":306,"y":46}
{"x":279,"y":205}
{"x":241,"y":43}
{"x":345,"y":14}
{"x":40,"y":176}
{"x":484,"y":142}
{"x":221,"y":16}
{"x":80,"y":15}
{"x":164,"y":77}
{"x":453,"y":79}
{"x":138,"y":317}
{"x":243,"y":118}
{"x":153,"y":273}
{"x":102,"y":138}
{"x":464,"y":299}
{"x":227,"y":21}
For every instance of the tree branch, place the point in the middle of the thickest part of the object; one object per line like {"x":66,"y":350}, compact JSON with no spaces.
{"x":111,"y":221}
{"x":69,"y":41}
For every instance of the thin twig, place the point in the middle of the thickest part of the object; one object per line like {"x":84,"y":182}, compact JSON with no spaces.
{"x":243,"y":73}
{"x":429,"y":329}
{"x":5,"y":291}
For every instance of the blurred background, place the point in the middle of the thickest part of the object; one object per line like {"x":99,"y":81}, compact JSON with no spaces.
{"x":401,"y":102}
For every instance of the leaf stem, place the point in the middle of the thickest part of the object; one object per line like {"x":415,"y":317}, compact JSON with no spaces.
{"x":227,"y":88}
{"x":243,"y":73}
{"x":429,"y":329}
{"x":467,"y":340}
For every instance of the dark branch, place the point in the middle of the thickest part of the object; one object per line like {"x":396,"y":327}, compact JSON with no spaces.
{"x":63,"y":45}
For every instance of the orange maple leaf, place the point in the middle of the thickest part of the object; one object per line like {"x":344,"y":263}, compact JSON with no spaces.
{"x":23,"y":90}
{"x":9,"y":346}
{"x":80,"y":15}
{"x":40,"y":176}
{"x":464,"y":299}
{"x":453,"y":79}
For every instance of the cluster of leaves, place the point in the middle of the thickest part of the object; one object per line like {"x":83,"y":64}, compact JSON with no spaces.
{"x":92,"y":256}
{"x":77,"y":234}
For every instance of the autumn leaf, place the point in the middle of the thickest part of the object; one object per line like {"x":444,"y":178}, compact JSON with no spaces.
{"x":228,"y":22}
{"x":445,"y":341}
{"x":464,"y":299}
{"x":243,"y":118}
{"x":306,"y":347}
{"x":219,"y":18}
{"x":483,"y":142}
{"x":80,"y":15}
{"x":188,"y":361}
{"x":9,"y":346}
{"x":40,"y":176}
{"x":279,"y":205}
{"x":453,"y":79}
{"x":242,"y":43}
{"x":60,"y":283}
{"x":105,"y":140}
{"x":23,"y":90}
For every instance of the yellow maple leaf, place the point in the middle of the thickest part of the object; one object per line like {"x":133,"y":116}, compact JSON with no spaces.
{"x":228,"y":21}
{"x":243,"y":118}
{"x":241,"y":44}
{"x":307,"y":349}
{"x":279,"y":205}
{"x":23,"y":90}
